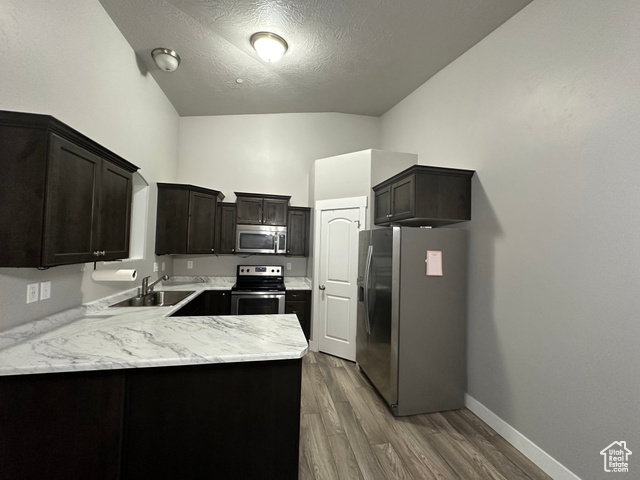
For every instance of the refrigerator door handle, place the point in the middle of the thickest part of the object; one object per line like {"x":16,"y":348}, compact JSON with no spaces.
{"x":367,"y":270}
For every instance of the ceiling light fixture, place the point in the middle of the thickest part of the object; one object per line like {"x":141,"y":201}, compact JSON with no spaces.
{"x":166,"y":59}
{"x":270,"y":47}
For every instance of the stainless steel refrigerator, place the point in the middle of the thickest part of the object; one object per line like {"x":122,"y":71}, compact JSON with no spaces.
{"x":411,"y":326}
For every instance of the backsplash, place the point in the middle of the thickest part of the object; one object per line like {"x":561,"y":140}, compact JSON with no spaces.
{"x":225,"y":266}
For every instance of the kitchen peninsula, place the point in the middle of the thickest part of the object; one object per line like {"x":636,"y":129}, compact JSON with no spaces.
{"x":134,"y":393}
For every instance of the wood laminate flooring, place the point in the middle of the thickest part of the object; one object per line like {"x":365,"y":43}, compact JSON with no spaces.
{"x":347,"y":432}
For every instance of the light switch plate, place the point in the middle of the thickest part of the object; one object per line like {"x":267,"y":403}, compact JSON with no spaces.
{"x":45,"y":290}
{"x":288,"y":266}
{"x":32,"y":293}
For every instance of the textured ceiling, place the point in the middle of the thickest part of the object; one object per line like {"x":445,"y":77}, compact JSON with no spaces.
{"x":348,"y":56}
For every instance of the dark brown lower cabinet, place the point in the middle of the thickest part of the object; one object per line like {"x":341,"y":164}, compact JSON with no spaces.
{"x":299,"y":302}
{"x":209,"y":302}
{"x":236,"y":420}
{"x":64,"y":426}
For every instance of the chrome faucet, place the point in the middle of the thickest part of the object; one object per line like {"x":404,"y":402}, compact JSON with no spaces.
{"x":148,"y":288}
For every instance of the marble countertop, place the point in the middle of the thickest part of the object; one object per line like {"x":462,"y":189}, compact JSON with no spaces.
{"x":225,"y":283}
{"x":96,"y":337}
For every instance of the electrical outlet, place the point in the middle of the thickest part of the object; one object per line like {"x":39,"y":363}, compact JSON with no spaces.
{"x":32,"y":293}
{"x":45,"y":290}
{"x":155,"y":266}
{"x":288,"y":266}
{"x":163,"y":267}
{"x":189,"y":264}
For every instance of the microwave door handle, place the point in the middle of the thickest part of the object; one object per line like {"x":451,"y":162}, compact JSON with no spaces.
{"x":275,"y":243}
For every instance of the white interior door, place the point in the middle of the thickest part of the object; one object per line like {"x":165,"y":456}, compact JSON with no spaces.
{"x":337,"y":280}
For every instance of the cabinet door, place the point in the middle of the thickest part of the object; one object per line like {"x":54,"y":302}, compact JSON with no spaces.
{"x":217,"y":421}
{"x":71,"y":220}
{"x":249,"y":210}
{"x":218,"y":302}
{"x":115,"y":211}
{"x":274,"y":212}
{"x":172,"y":221}
{"x":403,"y":198}
{"x":382,"y":205}
{"x":299,"y":303}
{"x":195,"y":308}
{"x":298,"y":232}
{"x":62,"y":425}
{"x":226,"y":229}
{"x":202,"y":212}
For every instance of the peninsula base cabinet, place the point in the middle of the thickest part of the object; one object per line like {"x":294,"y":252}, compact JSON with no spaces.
{"x":62,"y":426}
{"x":236,"y":420}
{"x":229,"y":420}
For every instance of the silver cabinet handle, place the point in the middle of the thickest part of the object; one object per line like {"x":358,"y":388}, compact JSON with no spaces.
{"x":390,"y":215}
{"x":322,"y":287}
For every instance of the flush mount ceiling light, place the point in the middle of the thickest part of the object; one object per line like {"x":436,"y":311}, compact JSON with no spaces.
{"x":166,"y":59}
{"x":270,"y":47}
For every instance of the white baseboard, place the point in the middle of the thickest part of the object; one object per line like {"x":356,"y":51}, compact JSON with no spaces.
{"x":542,"y":459}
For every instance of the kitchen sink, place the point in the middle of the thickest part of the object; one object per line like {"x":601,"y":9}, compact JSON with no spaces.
{"x":155,"y":299}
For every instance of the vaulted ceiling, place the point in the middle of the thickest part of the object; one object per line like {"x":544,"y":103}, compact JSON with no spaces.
{"x":348,"y":56}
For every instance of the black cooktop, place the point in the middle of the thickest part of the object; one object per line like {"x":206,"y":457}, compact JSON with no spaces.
{"x":259,"y":278}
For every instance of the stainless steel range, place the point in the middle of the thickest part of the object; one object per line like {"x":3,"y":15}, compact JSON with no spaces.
{"x":259,"y":290}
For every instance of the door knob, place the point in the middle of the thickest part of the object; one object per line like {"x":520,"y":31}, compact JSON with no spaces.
{"x":321,"y":287}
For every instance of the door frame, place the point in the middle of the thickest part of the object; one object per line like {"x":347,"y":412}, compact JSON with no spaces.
{"x":319,"y":207}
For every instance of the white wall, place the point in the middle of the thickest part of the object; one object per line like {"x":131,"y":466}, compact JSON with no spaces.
{"x":225,"y":265}
{"x":547,"y":111}
{"x":385,"y":165}
{"x":354,"y":174}
{"x":342,"y":176}
{"x":69,"y":60}
{"x":267,"y":153}
{"x":264,"y":154}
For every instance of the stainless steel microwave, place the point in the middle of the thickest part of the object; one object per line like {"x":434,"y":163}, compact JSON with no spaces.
{"x":261,"y":239}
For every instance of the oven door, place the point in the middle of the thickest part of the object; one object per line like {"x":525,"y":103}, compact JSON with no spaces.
{"x":257,"y":303}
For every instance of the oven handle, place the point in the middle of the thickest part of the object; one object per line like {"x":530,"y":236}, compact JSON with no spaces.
{"x":261,"y":294}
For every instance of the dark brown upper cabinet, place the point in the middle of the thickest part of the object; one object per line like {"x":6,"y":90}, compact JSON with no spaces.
{"x":226,"y":228}
{"x":259,"y":209}
{"x":424,"y":196}
{"x":64,"y":199}
{"x":298,"y":231}
{"x":186,"y":219}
